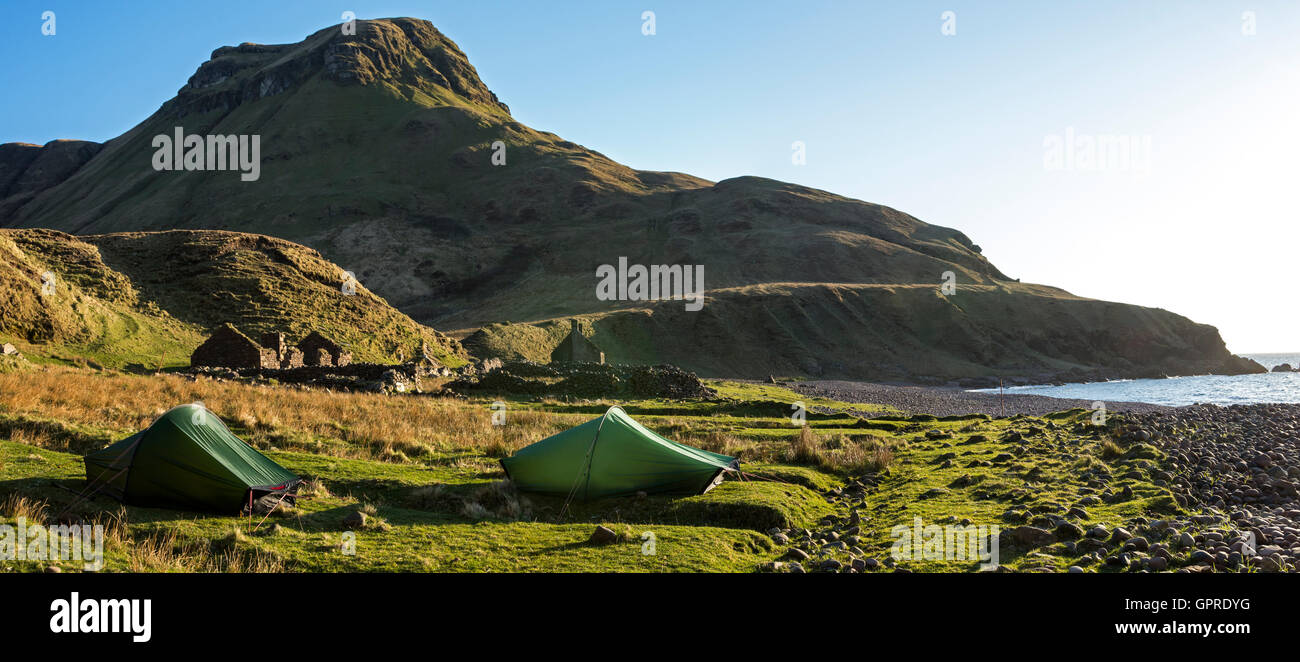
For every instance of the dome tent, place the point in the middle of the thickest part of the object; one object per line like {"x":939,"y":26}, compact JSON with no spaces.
{"x":614,"y":455}
{"x":187,"y":459}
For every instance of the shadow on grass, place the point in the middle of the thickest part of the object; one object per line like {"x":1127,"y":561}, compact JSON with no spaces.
{"x":54,"y":435}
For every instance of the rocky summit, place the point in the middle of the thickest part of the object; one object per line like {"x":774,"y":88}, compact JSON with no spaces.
{"x":384,"y":151}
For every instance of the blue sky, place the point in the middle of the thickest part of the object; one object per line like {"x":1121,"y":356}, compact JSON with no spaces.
{"x":952,"y":129}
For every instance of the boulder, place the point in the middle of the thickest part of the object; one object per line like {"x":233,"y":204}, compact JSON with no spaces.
{"x":1030,"y":536}
{"x":1068,"y":531}
{"x":603,"y":535}
{"x":354,"y":520}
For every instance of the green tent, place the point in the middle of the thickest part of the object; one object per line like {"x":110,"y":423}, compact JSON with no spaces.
{"x":186,"y":459}
{"x":614,"y":455}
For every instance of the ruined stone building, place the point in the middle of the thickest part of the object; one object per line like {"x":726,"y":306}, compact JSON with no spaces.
{"x":319,"y":350}
{"x":228,"y":348}
{"x":575,"y":348}
{"x":287,"y":355}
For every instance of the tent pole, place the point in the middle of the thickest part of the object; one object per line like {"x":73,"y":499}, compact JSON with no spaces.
{"x":586,"y":467}
{"x":268,"y":513}
{"x":87,"y":493}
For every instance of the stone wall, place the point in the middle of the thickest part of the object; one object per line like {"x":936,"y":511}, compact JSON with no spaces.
{"x":587,"y":380}
{"x":228,"y":348}
{"x":318,"y":356}
{"x":286,"y":355}
{"x":313,"y":346}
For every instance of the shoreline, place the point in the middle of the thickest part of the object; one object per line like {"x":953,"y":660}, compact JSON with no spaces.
{"x":953,"y":401}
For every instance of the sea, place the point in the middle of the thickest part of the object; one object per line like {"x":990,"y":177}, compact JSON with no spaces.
{"x":1272,"y":387}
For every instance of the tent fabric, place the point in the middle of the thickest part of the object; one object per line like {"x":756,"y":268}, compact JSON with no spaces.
{"x":611,"y":456}
{"x":189,"y":459}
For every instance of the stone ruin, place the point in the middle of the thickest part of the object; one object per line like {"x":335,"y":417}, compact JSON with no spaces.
{"x":575,"y":348}
{"x":316,"y":361}
{"x":287,"y":355}
{"x":228,"y":348}
{"x":321,"y":351}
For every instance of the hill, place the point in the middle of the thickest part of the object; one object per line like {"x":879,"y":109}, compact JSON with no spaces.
{"x":890,"y":333}
{"x":149,"y":298}
{"x":384,"y":151}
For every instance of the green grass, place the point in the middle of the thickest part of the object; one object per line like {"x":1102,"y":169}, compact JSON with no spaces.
{"x":417,"y":540}
{"x":449,"y":510}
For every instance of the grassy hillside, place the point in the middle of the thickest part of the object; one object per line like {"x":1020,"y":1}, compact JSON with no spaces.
{"x":149,"y":298}
{"x":377,"y":150}
{"x":888,"y":332}
{"x":91,"y":313}
{"x":410,"y":201}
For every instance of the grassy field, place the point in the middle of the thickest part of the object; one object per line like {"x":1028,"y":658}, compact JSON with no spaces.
{"x":425,"y":471}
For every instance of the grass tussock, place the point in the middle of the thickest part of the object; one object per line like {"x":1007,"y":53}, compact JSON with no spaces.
{"x":1111,"y":450}
{"x":727,"y":444}
{"x":806,"y":448}
{"x":840,"y":453}
{"x":314,"y":489}
{"x":16,"y":505}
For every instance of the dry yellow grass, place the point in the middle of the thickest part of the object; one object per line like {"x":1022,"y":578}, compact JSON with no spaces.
{"x":166,"y":551}
{"x":856,"y":454}
{"x":806,"y":448}
{"x":16,"y":506}
{"x":160,"y":551}
{"x":369,"y":426}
